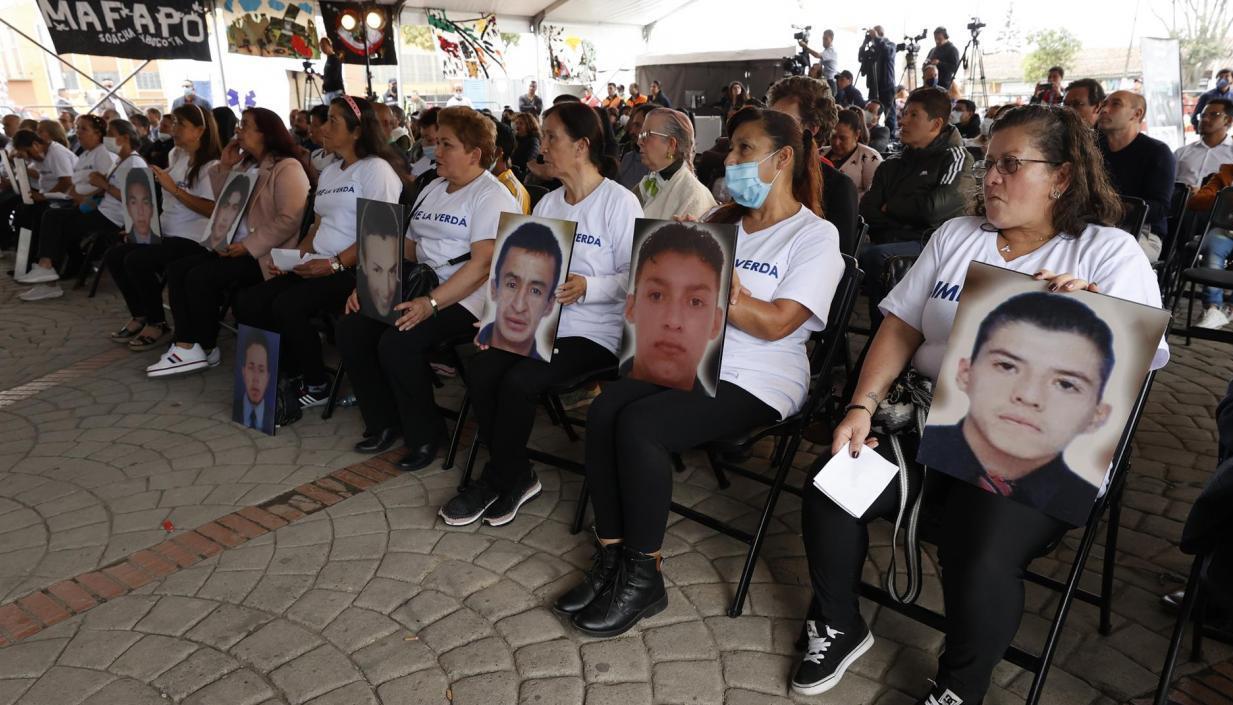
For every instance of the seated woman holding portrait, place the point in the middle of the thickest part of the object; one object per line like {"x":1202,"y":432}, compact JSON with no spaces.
{"x":1048,"y":210}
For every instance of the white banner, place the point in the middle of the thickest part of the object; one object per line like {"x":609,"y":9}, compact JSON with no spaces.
{"x":1162,"y":88}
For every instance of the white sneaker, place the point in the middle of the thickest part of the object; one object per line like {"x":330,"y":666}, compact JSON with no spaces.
{"x":178,"y":360}
{"x":1213,"y":318}
{"x":39,"y":275}
{"x":214,"y":358}
{"x":42,"y":292}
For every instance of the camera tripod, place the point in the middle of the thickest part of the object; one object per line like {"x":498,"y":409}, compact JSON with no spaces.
{"x":310,"y":87}
{"x":979,"y":57}
{"x":908,"y":77}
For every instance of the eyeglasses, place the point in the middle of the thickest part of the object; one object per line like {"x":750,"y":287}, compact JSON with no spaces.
{"x":1006,"y":165}
{"x":646,"y":135}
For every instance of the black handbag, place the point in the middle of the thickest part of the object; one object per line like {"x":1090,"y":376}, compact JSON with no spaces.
{"x":418,"y":278}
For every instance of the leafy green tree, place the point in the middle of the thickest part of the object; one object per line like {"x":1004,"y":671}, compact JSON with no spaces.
{"x":1202,"y":30}
{"x":1050,"y":47}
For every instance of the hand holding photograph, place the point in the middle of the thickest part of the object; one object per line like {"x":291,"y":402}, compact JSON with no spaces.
{"x":380,"y":242}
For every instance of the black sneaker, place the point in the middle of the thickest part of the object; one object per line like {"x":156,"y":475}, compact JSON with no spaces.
{"x":469,"y":505}
{"x":314,"y":395}
{"x":941,"y":696}
{"x":503,"y":511}
{"x":828,"y":655}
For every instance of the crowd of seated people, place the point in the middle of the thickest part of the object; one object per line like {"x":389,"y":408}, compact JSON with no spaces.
{"x":1030,"y":188}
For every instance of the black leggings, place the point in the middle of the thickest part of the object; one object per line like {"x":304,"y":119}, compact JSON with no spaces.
{"x":10,"y":201}
{"x":65,"y":227}
{"x":136,"y":268}
{"x":985,"y":544}
{"x":195,"y":288}
{"x":285,"y":305}
{"x":633,"y":427}
{"x":389,"y":371}
{"x":505,"y":390}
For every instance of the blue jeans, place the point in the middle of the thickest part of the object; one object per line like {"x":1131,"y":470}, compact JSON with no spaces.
{"x":1217,"y":247}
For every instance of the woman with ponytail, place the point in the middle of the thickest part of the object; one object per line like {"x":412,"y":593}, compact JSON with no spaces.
{"x":788,"y":267}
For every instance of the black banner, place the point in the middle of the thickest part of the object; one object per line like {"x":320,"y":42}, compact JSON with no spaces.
{"x":130,"y":29}
{"x":344,"y":25}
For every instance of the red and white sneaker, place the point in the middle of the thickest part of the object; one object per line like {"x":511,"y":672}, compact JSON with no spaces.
{"x":178,"y":360}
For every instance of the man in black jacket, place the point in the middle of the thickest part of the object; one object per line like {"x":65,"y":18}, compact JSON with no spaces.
{"x":877,"y":57}
{"x":331,"y":75}
{"x":944,"y":56}
{"x":918,"y":190}
{"x":1139,"y":166}
{"x":809,"y":100}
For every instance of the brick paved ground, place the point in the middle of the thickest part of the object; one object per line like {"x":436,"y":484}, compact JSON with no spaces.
{"x":372,"y":599}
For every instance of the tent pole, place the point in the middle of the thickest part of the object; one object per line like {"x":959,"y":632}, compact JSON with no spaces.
{"x":117,"y":87}
{"x":88,"y":77}
{"x":218,"y":42}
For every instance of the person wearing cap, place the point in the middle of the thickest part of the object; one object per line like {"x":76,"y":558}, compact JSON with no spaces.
{"x":847,"y":94}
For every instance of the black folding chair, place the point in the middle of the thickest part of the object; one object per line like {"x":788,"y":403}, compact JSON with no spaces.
{"x":1206,"y":537}
{"x":1134,"y":215}
{"x":1177,"y":221}
{"x":787,"y":433}
{"x":1069,"y":590}
{"x":536,"y":192}
{"x":1221,"y":217}
{"x":851,"y":245}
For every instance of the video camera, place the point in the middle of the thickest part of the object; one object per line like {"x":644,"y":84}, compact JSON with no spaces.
{"x":912,"y":44}
{"x":798,"y":65}
{"x":975,"y":25}
{"x":308,"y":67}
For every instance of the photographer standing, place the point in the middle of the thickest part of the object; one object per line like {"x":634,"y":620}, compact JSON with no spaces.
{"x":877,"y":57}
{"x":331,"y":75}
{"x":943,"y":55}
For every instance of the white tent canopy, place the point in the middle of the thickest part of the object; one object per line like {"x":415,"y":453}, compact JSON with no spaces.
{"x":640,"y":13}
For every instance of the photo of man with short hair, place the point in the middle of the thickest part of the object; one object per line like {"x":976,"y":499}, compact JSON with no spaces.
{"x":1035,"y":381}
{"x":523,"y":289}
{"x":379,"y":259}
{"x":677,"y":305}
{"x":140,"y":207}
{"x":228,"y":210}
{"x":256,"y":379}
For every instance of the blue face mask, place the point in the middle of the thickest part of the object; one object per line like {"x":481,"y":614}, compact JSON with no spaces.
{"x":747,"y":188}
{"x":430,"y":153}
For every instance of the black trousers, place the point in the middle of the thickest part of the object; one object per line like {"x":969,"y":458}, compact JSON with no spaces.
{"x":505,"y":390}
{"x":31,"y":217}
{"x":633,"y":427}
{"x":195,"y":287}
{"x":389,"y":370}
{"x":984,"y":548}
{"x":63,"y":228}
{"x":136,"y":269}
{"x":284,"y":305}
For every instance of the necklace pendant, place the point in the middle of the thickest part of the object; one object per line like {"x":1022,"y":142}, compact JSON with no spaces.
{"x":1005,"y":248}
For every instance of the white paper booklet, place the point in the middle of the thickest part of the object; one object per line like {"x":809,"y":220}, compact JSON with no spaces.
{"x":854,"y":483}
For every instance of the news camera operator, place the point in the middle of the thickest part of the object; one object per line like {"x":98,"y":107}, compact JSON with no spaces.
{"x":943,"y":55}
{"x":877,"y":59}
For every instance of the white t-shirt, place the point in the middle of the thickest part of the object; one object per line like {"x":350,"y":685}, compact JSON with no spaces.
{"x":97,"y":159}
{"x":928,"y":296}
{"x":422,"y":165}
{"x":321,"y":158}
{"x":445,"y":225}
{"x":57,"y":164}
{"x":797,"y":259}
{"x":178,"y":220}
{"x":1196,"y":160}
{"x":603,"y":245}
{"x":337,"y":191}
{"x":111,"y":207}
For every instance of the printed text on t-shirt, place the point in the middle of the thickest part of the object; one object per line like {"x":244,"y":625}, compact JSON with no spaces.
{"x":588,"y":239}
{"x":945,"y":290}
{"x":759,"y":267}
{"x":460,"y":221}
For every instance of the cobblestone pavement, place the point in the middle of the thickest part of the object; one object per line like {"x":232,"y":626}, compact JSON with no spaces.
{"x":374,"y":600}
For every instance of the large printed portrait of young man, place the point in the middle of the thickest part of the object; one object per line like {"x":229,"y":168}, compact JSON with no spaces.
{"x":1036,"y":388}
{"x":677,"y":305}
{"x":379,"y":258}
{"x":530,"y":260}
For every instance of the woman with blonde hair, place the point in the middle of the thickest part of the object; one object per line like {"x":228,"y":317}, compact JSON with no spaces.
{"x":667,"y":149}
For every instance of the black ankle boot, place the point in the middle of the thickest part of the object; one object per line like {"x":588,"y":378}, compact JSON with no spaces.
{"x":636,"y":591}
{"x":597,"y":577}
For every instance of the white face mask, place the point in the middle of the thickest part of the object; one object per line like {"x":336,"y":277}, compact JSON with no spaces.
{"x":986,"y":127}
{"x":956,"y":117}
{"x":164,"y":137}
{"x":111,"y":145}
{"x":623,"y":120}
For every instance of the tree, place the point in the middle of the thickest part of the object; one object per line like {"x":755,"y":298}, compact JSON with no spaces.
{"x":1008,"y":38}
{"x":1202,"y":30}
{"x":1051,"y":47}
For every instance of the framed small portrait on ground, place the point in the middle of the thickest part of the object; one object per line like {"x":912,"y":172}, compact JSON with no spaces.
{"x":256,"y":379}
{"x":1036,"y":388}
{"x":530,"y":260}
{"x":676,"y":308}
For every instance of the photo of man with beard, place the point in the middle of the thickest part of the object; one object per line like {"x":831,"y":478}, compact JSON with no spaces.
{"x":677,"y":306}
{"x":380,"y":256}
